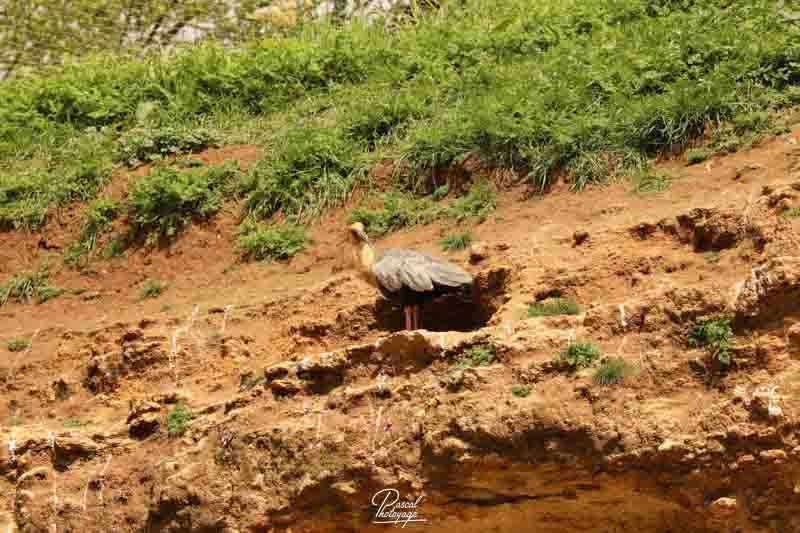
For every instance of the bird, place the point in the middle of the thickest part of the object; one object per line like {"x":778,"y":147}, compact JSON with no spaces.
{"x":406,"y":277}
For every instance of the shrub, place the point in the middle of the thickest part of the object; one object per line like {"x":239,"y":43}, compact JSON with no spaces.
{"x":520,"y":391}
{"x":580,"y":354}
{"x":715,"y":336}
{"x":696,"y":155}
{"x":556,"y":306}
{"x":178,"y":419}
{"x":452,"y":243}
{"x":611,"y":371}
{"x":140,"y":145}
{"x":166,"y":200}
{"x":261,"y":242}
{"x":152,"y":289}
{"x":17,"y":345}
{"x":481,"y":355}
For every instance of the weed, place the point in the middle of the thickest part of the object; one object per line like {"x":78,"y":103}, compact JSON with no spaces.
{"x":17,"y":345}
{"x":715,"y":336}
{"x":520,"y":391}
{"x":75,"y":423}
{"x":26,"y":286}
{"x":166,"y":200}
{"x":556,"y":306}
{"x":260,"y":242}
{"x":697,"y":155}
{"x":140,"y":145}
{"x":477,"y":204}
{"x":399,"y":210}
{"x":152,"y":289}
{"x":481,"y":355}
{"x":612,"y":370}
{"x":792,"y":212}
{"x":178,"y":419}
{"x":116,"y":247}
{"x":580,"y":354}
{"x":712,"y":257}
{"x":451,"y":243}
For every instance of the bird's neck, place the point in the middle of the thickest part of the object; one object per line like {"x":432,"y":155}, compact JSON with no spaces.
{"x":366,"y":256}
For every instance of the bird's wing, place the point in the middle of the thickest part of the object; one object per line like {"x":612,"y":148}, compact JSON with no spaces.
{"x":417,"y":271}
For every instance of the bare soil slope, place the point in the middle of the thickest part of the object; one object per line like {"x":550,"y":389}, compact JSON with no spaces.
{"x":307,"y":399}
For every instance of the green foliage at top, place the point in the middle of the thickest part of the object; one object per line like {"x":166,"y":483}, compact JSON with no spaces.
{"x":17,"y":345}
{"x":163,"y":202}
{"x":554,"y":307}
{"x":451,"y":243}
{"x":260,"y":242}
{"x":481,"y":355}
{"x":586,"y":87}
{"x":715,"y":336}
{"x":178,"y":419}
{"x":580,"y":354}
{"x":27,"y":286}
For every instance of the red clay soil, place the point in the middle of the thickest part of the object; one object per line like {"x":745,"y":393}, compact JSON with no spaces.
{"x":306,"y":399}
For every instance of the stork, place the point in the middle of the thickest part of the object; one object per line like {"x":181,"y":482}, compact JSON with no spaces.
{"x":406,"y":277}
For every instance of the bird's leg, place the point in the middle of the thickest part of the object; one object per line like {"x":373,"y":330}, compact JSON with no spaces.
{"x":416,"y":317}
{"x":407,"y":311}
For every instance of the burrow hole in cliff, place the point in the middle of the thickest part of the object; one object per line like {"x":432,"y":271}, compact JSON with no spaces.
{"x":455,"y":312}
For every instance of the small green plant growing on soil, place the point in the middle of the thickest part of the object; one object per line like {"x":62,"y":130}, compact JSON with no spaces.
{"x":262,"y":242}
{"x":74,"y":423}
{"x":99,"y":217}
{"x":178,"y":419}
{"x":554,"y":307}
{"x":452,"y":243}
{"x":792,"y":212}
{"x":650,"y":183}
{"x":26,"y":286}
{"x":152,"y":289}
{"x":697,"y":155}
{"x":712,"y":257}
{"x":611,"y":371}
{"x":580,"y":354}
{"x":481,"y":355}
{"x":715,"y":336}
{"x":17,"y":345}
{"x":520,"y":391}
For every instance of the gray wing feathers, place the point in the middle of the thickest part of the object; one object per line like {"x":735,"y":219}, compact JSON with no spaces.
{"x":417,"y":271}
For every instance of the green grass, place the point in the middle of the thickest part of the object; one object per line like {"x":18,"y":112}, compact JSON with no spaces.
{"x":28,"y":286}
{"x":554,"y":307}
{"x":99,"y":216}
{"x":792,"y":212}
{"x":715,"y":336}
{"x":455,"y":242}
{"x":481,"y":355}
{"x":152,"y":289}
{"x":697,"y":155}
{"x":262,"y":242}
{"x":611,"y":371}
{"x":584,"y":89}
{"x":17,"y":345}
{"x":580,"y":354}
{"x":178,"y":419}
{"x":521,"y":391}
{"x":75,"y":423}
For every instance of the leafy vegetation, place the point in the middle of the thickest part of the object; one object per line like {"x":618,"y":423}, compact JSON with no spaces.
{"x":261,"y":242}
{"x":792,"y":212}
{"x":454,"y":242}
{"x":163,"y":202}
{"x":520,"y":391}
{"x":152,"y":289}
{"x":481,"y":355}
{"x":715,"y":336}
{"x":100,"y":214}
{"x":696,"y":155}
{"x":178,"y":419}
{"x":74,"y":423}
{"x":611,"y":371}
{"x":589,"y":89}
{"x":580,"y":354}
{"x":27,"y":286}
{"x":17,"y":345}
{"x":553,"y":307}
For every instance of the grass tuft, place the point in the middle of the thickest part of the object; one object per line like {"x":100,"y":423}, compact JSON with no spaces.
{"x":27,"y":286}
{"x":452,"y":243}
{"x":152,"y":289}
{"x":17,"y":345}
{"x":580,"y":354}
{"x":554,"y":307}
{"x":178,"y":419}
{"x":611,"y":371}
{"x":697,"y":155}
{"x":261,"y":242}
{"x":792,"y":212}
{"x":481,"y":355}
{"x":521,"y":391}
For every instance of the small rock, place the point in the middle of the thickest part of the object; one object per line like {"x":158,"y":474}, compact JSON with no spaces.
{"x":478,"y":252}
{"x":284,"y":387}
{"x":345,"y":487}
{"x":773,"y":456}
{"x":580,"y":237}
{"x":723,"y":507}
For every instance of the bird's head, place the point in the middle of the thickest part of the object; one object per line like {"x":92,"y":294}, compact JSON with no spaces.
{"x":357,"y":234}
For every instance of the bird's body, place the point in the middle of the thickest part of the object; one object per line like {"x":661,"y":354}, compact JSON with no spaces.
{"x":406,"y":277}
